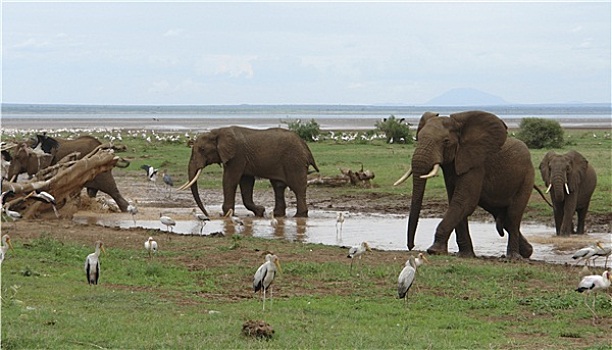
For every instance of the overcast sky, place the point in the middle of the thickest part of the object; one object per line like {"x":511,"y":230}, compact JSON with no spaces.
{"x":303,"y":53}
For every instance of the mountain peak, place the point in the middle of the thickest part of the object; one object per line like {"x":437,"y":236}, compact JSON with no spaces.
{"x":466,"y":97}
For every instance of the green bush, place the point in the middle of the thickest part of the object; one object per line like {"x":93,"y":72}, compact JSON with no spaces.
{"x":541,"y":133}
{"x":396,"y":131}
{"x":308,"y":132}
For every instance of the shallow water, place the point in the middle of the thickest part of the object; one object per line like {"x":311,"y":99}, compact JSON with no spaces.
{"x":384,"y":232}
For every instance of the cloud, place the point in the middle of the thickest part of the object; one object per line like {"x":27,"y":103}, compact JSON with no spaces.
{"x":226,"y":65}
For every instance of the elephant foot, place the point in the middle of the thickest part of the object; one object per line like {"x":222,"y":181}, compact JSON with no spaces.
{"x":466,"y":254}
{"x":525,"y":250}
{"x":514,"y":256}
{"x":438,"y":249}
{"x":259,"y":211}
{"x":301,"y":215}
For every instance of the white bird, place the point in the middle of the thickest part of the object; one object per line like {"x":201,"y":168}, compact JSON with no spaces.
{"x":420,"y":259}
{"x":602,"y":251}
{"x":201,"y":218}
{"x":264,"y":276}
{"x":44,"y":197}
{"x":593,"y":283}
{"x":132,"y":209}
{"x":151,"y":246}
{"x":586,"y":253}
{"x":358,"y":251}
{"x":339,"y":221}
{"x":92,"y":264}
{"x":406,"y":277}
{"x":6,"y":244}
{"x":168,"y":221}
{"x":11,"y":214}
{"x":273,"y":220}
{"x":151,"y":173}
{"x":235,"y":220}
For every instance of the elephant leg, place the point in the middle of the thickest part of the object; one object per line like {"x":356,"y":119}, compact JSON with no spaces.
{"x":464,"y":240}
{"x":247,"y":183}
{"x":106,"y":183}
{"x":581,"y":219}
{"x":517,"y":244}
{"x":300,"y":198}
{"x":280,"y":206}
{"x":525,"y":248}
{"x":92,"y":192}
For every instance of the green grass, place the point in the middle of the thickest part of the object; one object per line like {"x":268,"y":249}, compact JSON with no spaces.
{"x":456,"y":303}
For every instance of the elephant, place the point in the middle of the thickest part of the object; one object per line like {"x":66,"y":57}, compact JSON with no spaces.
{"x":572,"y":180}
{"x":482,"y":167}
{"x":26,"y":160}
{"x":276,"y":154}
{"x":55,"y":150}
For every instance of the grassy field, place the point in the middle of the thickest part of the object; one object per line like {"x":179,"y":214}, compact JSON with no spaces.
{"x":197,"y":293}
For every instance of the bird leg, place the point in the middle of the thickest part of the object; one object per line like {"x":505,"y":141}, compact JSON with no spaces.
{"x":264,"y":299}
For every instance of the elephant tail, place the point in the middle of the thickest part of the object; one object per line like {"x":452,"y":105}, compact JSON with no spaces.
{"x":542,"y":194}
{"x":311,"y":161}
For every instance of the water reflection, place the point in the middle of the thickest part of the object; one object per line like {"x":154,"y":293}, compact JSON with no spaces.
{"x":384,"y":232}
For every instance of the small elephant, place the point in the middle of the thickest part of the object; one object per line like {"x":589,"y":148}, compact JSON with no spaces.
{"x":482,"y":167}
{"x":571,"y":181}
{"x":54,"y":150}
{"x":275,"y":154}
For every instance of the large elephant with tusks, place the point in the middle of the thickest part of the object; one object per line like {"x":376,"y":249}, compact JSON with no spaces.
{"x":276,"y":154}
{"x":482,"y":167}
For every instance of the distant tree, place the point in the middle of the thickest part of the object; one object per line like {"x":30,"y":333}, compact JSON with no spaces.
{"x":396,"y":131}
{"x":540,"y":133}
{"x":308,"y":132}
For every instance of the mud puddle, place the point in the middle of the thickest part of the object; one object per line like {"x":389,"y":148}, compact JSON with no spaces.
{"x":382,"y":231}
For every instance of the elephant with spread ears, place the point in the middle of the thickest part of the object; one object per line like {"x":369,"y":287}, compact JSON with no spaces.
{"x":481,"y":167}
{"x":571,"y":181}
{"x":48,"y":151}
{"x":276,"y":154}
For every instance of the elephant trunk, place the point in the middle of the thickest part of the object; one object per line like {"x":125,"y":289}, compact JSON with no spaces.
{"x":559,"y":185}
{"x":421,"y":165}
{"x":194,"y":172}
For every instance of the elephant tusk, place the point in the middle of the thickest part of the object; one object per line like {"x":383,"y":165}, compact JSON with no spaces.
{"x":432,"y":173}
{"x":548,"y":189}
{"x":188,"y":184}
{"x":403,"y":178}
{"x":567,"y":188}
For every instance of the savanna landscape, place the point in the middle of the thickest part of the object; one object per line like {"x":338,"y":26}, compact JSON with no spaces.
{"x":196,"y":293}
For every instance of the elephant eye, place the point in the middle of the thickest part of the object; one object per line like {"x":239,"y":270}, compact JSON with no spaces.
{"x":446,"y":142}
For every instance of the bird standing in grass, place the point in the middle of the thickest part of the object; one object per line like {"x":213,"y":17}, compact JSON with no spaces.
{"x":594,"y":283}
{"x":151,"y":246}
{"x":168,"y":221}
{"x":406,"y":277}
{"x":92,"y":264}
{"x":6,"y":244}
{"x":264,"y":276}
{"x":358,"y":251}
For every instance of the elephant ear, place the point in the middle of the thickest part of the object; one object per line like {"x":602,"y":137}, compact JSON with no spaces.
{"x":544,"y":168}
{"x":226,"y":144}
{"x":424,"y":118}
{"x":480,"y":135}
{"x":578,"y":170}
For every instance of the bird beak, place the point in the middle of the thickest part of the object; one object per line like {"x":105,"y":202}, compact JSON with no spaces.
{"x":278,"y":266}
{"x":425,"y":258}
{"x":103,"y":250}
{"x":8,"y":241}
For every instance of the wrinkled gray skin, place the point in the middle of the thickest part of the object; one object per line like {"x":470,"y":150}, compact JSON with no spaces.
{"x":84,"y":145}
{"x":25,"y":160}
{"x":572,"y":169}
{"x":275,"y":154}
{"x":482,"y":167}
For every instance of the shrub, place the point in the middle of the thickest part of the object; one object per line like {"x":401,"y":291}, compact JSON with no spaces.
{"x":308,"y":132}
{"x":541,"y":133}
{"x":396,"y":131}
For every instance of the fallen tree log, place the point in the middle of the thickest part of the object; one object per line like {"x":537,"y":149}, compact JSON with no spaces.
{"x":64,"y":181}
{"x":347,"y":176}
